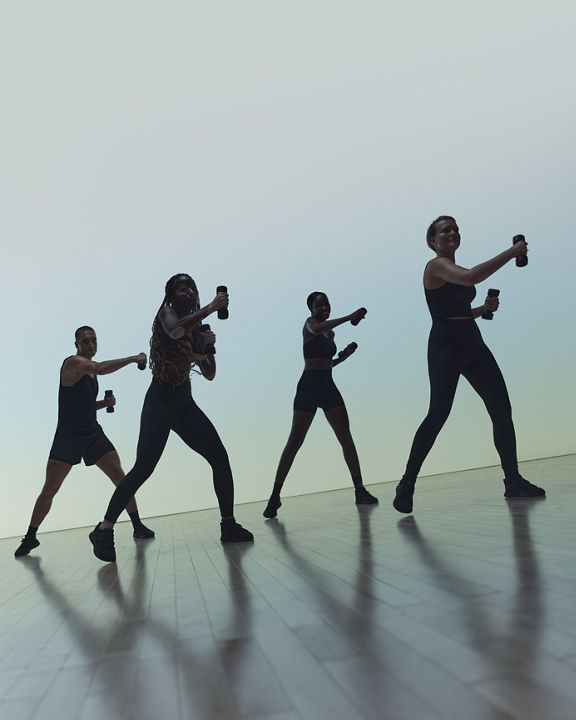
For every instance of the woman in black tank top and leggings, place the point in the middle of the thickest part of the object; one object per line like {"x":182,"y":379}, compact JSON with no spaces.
{"x":456,"y":348}
{"x":316,"y":389}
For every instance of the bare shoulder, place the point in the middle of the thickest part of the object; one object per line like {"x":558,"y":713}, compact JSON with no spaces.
{"x":167,"y":317}
{"x":437,"y":264}
{"x":73,"y":368}
{"x":310,"y":327}
{"x":74,"y":362}
{"x":432,"y":281}
{"x":441,"y":270}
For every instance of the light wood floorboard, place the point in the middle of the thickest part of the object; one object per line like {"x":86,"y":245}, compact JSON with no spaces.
{"x":464,"y":610}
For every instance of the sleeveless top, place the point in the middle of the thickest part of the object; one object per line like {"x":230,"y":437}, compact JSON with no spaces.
{"x":450,"y":300}
{"x":77,"y":405}
{"x":320,"y":346}
{"x":172,"y":360}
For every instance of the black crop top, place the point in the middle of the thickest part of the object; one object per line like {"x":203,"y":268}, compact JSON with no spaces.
{"x":320,"y":346}
{"x":450,"y":300}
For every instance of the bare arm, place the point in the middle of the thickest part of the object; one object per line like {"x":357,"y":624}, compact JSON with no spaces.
{"x":443,"y":269}
{"x":315,"y":327}
{"x":208,"y":367}
{"x":345,"y":354}
{"x":108,"y":401}
{"x":491,"y":304}
{"x":177,"y":327}
{"x":77,"y":366}
{"x":207,"y":364}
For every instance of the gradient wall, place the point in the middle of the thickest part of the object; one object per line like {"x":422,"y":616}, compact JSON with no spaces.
{"x":280,"y":148}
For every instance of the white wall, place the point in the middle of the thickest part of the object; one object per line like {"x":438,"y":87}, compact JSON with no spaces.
{"x":280,"y":148}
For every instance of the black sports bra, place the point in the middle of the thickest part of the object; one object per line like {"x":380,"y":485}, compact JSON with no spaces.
{"x":321,"y":346}
{"x":450,"y":300}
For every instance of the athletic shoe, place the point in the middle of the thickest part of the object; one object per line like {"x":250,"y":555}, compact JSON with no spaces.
{"x":271,"y":509}
{"x":231,"y":531}
{"x":403,"y":500}
{"x":363,"y":497}
{"x":143,"y":533}
{"x":103,"y":542}
{"x":29,"y":542}
{"x":519,"y":487}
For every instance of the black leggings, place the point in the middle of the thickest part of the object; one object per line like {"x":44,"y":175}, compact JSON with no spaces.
{"x":456,"y":348}
{"x":167,"y":408}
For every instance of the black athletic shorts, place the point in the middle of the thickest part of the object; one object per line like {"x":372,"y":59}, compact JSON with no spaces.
{"x":71,"y":448}
{"x":316,"y":389}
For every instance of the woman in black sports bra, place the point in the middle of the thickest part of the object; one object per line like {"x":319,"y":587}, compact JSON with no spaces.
{"x":456,"y":348}
{"x":316,"y":389}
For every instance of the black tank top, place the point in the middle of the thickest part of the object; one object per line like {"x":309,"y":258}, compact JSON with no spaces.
{"x":320,"y":346}
{"x":77,"y":405}
{"x":450,"y":300}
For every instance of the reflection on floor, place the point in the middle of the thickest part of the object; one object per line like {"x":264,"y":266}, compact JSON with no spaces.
{"x":464,"y":610}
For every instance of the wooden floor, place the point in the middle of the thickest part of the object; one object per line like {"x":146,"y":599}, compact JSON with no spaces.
{"x":464,"y":610}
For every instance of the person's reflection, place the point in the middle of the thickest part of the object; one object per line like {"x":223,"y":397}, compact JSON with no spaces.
{"x":204,"y":692}
{"x":237,"y":644}
{"x":118,"y":642}
{"x":353,"y":619}
{"x":88,"y":637}
{"x":529,"y":608}
{"x":500,"y":637}
{"x":365,"y":572}
{"x":241,"y":605}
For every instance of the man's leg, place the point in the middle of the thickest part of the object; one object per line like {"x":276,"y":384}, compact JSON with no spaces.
{"x":56,"y":472}
{"x":110,"y":466}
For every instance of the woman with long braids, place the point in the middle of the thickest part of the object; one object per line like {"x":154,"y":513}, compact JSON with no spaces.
{"x":178,"y":342}
{"x":316,"y":389}
{"x":456,"y":348}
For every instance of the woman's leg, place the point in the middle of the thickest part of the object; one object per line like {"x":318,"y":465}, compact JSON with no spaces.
{"x":154,"y":431}
{"x":483,"y":373}
{"x":201,"y":436}
{"x":443,"y":372}
{"x":340,"y":423}
{"x":110,"y":465}
{"x":301,"y":421}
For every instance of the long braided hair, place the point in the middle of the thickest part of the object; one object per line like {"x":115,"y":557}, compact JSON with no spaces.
{"x":170,"y":360}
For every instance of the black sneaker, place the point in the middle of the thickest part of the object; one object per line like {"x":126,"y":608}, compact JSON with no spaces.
{"x":271,"y":509}
{"x":29,"y":542}
{"x":403,"y":500}
{"x":103,"y":542}
{"x":231,"y":531}
{"x":143,"y":533}
{"x":363,"y":497}
{"x":520,"y":487}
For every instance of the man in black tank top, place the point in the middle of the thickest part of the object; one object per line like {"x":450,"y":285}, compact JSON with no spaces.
{"x":78,"y":435}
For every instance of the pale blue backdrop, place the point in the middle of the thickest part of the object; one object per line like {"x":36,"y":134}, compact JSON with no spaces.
{"x":279,"y":148}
